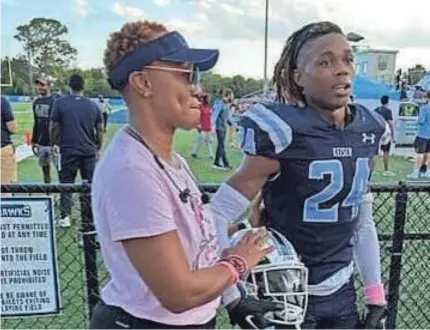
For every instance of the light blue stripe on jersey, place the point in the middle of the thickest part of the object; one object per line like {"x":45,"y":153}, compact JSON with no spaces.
{"x":280,"y":133}
{"x":249,"y":141}
{"x":333,"y":283}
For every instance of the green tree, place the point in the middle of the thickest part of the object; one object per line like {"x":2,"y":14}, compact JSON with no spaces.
{"x":44,"y":40}
{"x":416,"y":73}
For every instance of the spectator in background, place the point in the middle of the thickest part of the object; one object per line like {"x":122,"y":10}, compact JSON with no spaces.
{"x":422,"y":142}
{"x":77,"y":131}
{"x":205,"y":128}
{"x":233,"y":135}
{"x":40,"y":139}
{"x":105,"y":108}
{"x":8,"y":127}
{"x":387,"y":114}
{"x":220,"y":115}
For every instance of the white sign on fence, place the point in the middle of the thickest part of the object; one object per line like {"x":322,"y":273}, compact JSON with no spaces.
{"x":29,"y":274}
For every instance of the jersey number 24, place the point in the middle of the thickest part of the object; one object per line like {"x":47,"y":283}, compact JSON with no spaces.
{"x":317,"y":169}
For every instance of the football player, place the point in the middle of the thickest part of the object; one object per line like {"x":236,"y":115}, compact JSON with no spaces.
{"x":310,"y":153}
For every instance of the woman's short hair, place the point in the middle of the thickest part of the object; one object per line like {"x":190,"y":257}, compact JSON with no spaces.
{"x":126,"y":40}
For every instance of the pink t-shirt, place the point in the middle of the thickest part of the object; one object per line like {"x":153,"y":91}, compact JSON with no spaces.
{"x":133,"y":197}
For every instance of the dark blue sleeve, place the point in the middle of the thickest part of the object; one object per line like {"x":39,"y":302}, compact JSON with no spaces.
{"x":264,"y":133}
{"x":56,"y":115}
{"x":389,"y":115}
{"x":6,"y":110}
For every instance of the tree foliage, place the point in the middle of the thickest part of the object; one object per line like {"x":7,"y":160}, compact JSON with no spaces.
{"x":44,"y":41}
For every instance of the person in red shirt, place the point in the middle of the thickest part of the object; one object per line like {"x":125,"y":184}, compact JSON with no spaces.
{"x":205,"y":128}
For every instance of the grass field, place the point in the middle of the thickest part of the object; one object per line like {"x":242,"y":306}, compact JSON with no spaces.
{"x":414,"y":307}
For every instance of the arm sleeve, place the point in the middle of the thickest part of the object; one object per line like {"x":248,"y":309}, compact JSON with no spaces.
{"x":389,"y":115}
{"x":264,"y":133}
{"x":367,"y":253}
{"x":35,"y":125}
{"x":137,"y":210}
{"x":55,"y":115}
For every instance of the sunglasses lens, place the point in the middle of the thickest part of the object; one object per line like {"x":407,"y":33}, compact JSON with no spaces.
{"x":195,"y":76}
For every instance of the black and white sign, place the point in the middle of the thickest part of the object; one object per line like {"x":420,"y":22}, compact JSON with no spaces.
{"x":29,"y":274}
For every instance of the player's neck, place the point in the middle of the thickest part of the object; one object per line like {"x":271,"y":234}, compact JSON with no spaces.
{"x":336,"y":117}
{"x":78,"y":93}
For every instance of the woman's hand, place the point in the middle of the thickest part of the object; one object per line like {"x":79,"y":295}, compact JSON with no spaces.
{"x":252,"y":247}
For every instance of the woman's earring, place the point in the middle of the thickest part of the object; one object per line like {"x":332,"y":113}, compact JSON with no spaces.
{"x":146,"y":94}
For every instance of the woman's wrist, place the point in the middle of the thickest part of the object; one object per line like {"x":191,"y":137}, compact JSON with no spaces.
{"x":235,"y":277}
{"x":238,"y":262}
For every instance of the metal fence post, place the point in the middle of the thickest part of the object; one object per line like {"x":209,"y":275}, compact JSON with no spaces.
{"x":396,"y":255}
{"x":90,"y":250}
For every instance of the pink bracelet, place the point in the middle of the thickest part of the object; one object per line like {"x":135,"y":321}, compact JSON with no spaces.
{"x":232,"y":270}
{"x":238,"y":262}
{"x":375,"y":295}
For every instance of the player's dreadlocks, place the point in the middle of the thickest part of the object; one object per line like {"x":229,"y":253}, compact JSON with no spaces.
{"x":128,"y":38}
{"x":283,"y":76}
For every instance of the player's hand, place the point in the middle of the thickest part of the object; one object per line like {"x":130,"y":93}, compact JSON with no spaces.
{"x":375,"y":317}
{"x":252,"y":247}
{"x":35,"y":149}
{"x":249,"y":312}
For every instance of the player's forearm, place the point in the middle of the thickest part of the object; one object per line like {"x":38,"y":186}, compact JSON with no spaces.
{"x":367,"y":254}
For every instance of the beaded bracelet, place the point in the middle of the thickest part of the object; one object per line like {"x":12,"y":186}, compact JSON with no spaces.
{"x":238,"y":262}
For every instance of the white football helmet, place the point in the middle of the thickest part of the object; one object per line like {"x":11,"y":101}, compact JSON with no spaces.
{"x":280,"y":277}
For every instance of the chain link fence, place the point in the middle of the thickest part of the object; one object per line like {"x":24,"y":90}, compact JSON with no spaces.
{"x":401,"y":212}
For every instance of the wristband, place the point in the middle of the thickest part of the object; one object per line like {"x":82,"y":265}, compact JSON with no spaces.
{"x":232,"y":270}
{"x":238,"y":262}
{"x":375,"y":295}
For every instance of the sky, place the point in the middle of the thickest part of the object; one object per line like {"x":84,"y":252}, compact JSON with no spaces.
{"x":236,"y":27}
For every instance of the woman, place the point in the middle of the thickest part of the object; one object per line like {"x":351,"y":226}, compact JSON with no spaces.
{"x":205,"y":128}
{"x":157,"y":238}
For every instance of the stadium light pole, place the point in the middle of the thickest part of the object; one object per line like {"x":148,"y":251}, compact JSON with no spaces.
{"x":266,"y":30}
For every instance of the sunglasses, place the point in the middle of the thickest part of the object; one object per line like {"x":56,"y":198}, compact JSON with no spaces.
{"x":193,"y":74}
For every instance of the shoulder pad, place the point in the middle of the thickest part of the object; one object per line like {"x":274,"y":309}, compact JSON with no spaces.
{"x":264,"y":132}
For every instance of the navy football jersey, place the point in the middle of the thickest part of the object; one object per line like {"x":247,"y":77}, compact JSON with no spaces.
{"x":324,"y":175}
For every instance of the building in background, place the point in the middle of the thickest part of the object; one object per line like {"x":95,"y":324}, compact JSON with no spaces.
{"x":376,"y":64}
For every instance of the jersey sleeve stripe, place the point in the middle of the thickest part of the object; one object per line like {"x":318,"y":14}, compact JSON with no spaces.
{"x":280,"y":133}
{"x":249,"y":141}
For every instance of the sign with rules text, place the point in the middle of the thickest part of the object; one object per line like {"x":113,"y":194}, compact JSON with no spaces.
{"x":29,"y":274}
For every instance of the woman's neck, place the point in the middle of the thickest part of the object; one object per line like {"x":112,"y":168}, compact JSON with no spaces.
{"x":158,"y":140}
